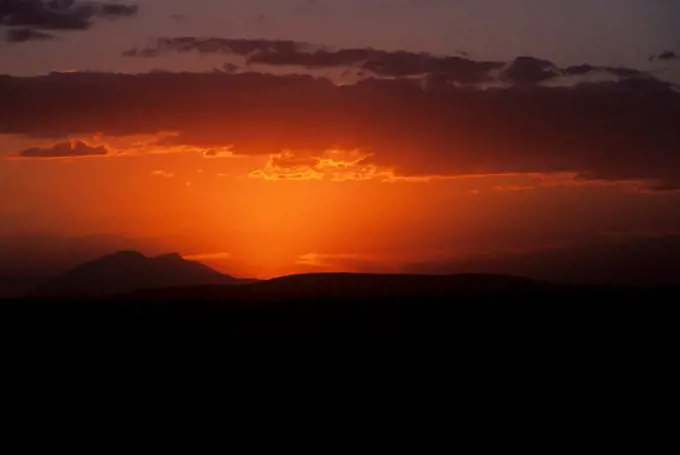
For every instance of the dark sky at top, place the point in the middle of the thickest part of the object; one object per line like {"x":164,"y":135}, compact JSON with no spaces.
{"x":604,"y":32}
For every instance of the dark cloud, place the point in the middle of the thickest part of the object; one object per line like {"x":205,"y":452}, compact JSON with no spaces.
{"x":579,"y":70}
{"x":213,"y":45}
{"x":394,"y":64}
{"x":626,"y":130}
{"x":282,"y":52}
{"x":529,"y":70}
{"x":667,"y":55}
{"x":45,"y":14}
{"x":644,"y":260}
{"x":625,"y":72}
{"x":22,"y":35}
{"x":62,"y":14}
{"x":584,"y":69}
{"x":64,"y":150}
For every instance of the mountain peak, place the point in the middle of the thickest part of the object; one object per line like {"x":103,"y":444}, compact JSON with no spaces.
{"x":126,"y":271}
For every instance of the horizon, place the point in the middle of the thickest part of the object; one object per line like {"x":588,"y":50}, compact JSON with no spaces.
{"x":268,"y":138}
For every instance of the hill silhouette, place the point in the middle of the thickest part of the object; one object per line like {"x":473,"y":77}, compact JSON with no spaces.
{"x":351,"y":286}
{"x":127,"y":271}
{"x":129,"y":294}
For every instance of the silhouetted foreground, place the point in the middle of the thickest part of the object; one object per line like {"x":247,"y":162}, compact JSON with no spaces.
{"x":342,"y":310}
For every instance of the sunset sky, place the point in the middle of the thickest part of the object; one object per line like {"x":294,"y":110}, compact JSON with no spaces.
{"x":268,"y":137}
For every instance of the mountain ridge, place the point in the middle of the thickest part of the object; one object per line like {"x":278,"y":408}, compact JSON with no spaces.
{"x":129,"y":271}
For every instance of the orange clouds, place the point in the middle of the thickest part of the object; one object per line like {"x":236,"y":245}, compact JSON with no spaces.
{"x":333,"y":165}
{"x":289,"y":166}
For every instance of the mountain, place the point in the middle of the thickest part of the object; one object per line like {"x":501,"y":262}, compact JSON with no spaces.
{"x":128,"y":271}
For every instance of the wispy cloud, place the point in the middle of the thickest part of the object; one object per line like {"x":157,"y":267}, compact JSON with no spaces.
{"x":209,"y":256}
{"x":73,"y":149}
{"x":164,"y":174}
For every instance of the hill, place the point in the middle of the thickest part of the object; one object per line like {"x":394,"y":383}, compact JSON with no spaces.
{"x":452,"y":313}
{"x":351,"y":286}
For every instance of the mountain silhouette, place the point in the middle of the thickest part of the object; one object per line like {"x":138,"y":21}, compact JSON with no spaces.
{"x":128,"y":271}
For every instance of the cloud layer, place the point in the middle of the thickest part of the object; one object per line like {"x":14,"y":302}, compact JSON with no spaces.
{"x":459,"y":70}
{"x":627,"y":128}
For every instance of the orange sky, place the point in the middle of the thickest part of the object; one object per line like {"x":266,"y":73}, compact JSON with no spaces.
{"x":223,"y":212}
{"x":282,"y":157}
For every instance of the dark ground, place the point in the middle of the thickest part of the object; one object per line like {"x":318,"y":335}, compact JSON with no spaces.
{"x":614,"y":319}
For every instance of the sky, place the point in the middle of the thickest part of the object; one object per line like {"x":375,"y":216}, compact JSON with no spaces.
{"x":263,"y":137}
